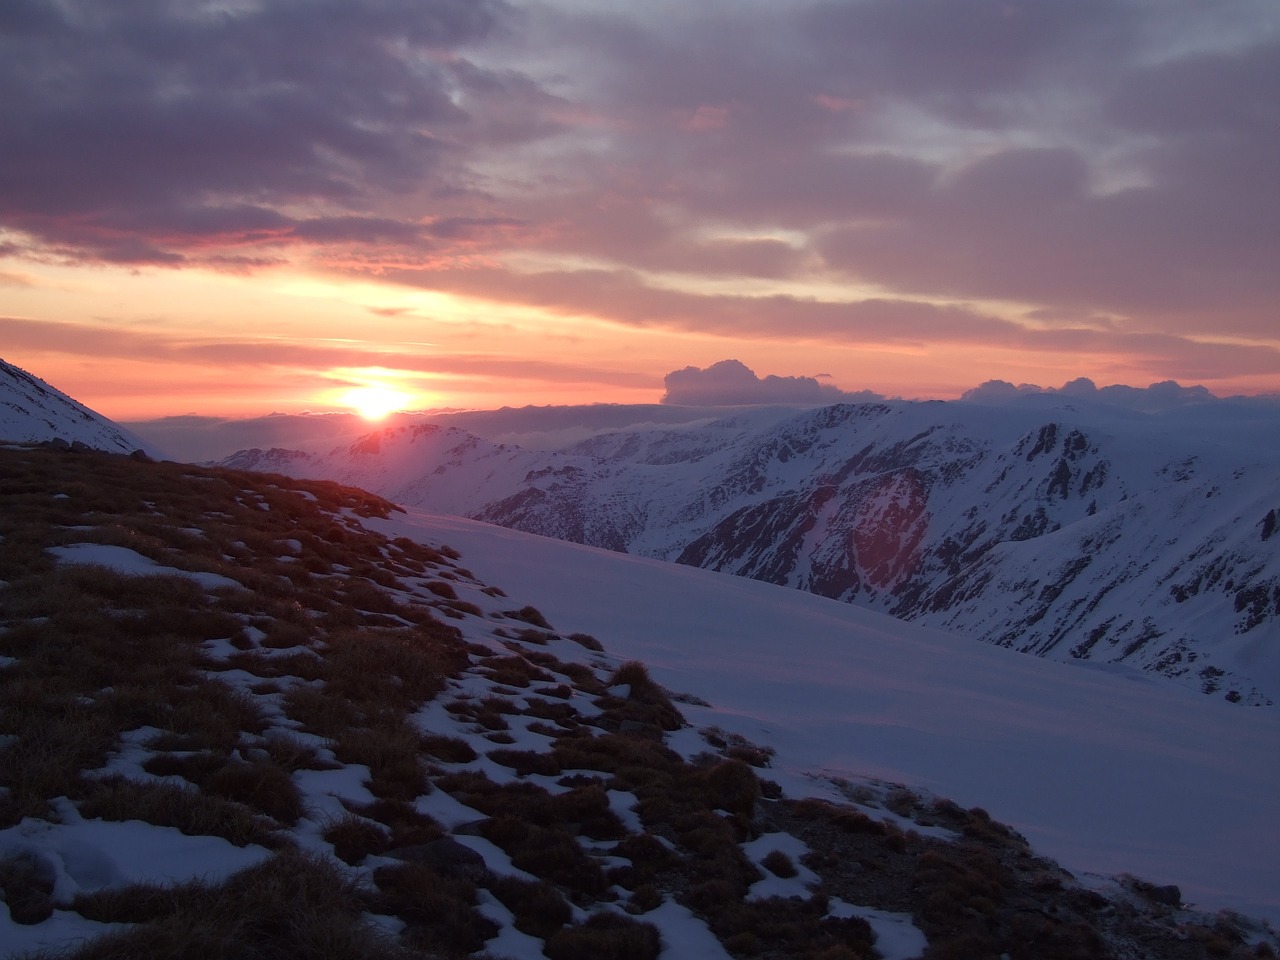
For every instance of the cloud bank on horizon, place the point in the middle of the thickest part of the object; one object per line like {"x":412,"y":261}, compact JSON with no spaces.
{"x":732,"y":383}
{"x":885,"y":186}
{"x":692,"y":395}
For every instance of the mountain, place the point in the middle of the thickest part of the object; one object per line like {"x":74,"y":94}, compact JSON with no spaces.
{"x":1054,"y":526}
{"x":247,"y":715}
{"x":31,"y":410}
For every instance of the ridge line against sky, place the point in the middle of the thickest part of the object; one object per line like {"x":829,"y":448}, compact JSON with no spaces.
{"x":233,"y":207}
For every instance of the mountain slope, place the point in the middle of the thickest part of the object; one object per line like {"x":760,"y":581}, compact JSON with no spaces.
{"x":289,"y":729}
{"x":33,"y":411}
{"x":1070,"y":531}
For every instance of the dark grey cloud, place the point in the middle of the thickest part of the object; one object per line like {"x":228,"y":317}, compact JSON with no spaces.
{"x":732,"y":383}
{"x":625,"y":297}
{"x":963,"y":56}
{"x":140,"y":130}
{"x":1109,"y":159}
{"x":1106,"y":156}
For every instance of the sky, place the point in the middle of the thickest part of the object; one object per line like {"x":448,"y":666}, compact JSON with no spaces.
{"x":235,"y":207}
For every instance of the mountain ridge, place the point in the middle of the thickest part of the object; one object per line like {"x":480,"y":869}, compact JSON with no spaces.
{"x":33,"y":411}
{"x":1058,"y":528}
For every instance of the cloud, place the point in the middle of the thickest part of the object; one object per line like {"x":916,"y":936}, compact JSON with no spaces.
{"x":140,"y":130}
{"x":1157,"y":398}
{"x":624,"y":296}
{"x":316,"y":358}
{"x":732,"y":383}
{"x":991,"y":169}
{"x":1097,"y":157}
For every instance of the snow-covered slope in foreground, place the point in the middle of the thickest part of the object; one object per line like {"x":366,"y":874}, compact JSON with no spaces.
{"x":1103,"y":768}
{"x":31,"y":411}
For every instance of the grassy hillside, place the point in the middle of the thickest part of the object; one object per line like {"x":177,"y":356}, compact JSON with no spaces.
{"x":413,"y":764}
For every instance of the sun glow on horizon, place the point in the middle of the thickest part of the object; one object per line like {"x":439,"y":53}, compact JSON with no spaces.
{"x":374,"y":402}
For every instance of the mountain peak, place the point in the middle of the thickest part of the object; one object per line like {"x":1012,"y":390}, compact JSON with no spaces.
{"x":31,"y":411}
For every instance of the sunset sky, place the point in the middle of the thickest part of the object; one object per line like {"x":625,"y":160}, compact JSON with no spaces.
{"x":232,"y":207}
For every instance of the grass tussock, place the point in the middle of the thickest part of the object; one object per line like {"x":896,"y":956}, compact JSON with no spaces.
{"x":26,"y":887}
{"x":292,"y":905}
{"x":513,"y":671}
{"x":487,"y":713}
{"x":798,"y":926}
{"x":779,"y":864}
{"x":261,"y":785}
{"x":588,"y":641}
{"x":50,"y":749}
{"x":539,"y":909}
{"x":408,"y":826}
{"x":395,"y":667}
{"x":606,"y":936}
{"x":448,"y":749}
{"x":355,"y":838}
{"x":650,"y":858}
{"x":551,"y":852}
{"x":644,"y":709}
{"x":393,"y":752}
{"x":530,"y":615}
{"x":439,"y":910}
{"x":319,"y":711}
{"x":216,"y":714}
{"x":169,"y":805}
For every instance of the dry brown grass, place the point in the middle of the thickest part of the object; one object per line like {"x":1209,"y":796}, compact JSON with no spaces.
{"x":320,"y":712}
{"x":650,"y":860}
{"x":513,"y":671}
{"x":530,"y":615}
{"x":52,"y":747}
{"x":292,"y":906}
{"x":440,"y":910}
{"x":551,"y":852}
{"x":392,"y":750}
{"x":448,"y":749}
{"x":355,"y":838}
{"x":26,"y":886}
{"x":538,"y":907}
{"x":779,"y":864}
{"x":605,"y":936}
{"x":408,"y":826}
{"x":261,"y":786}
{"x":168,"y":805}
{"x":645,"y":709}
{"x":398,"y":668}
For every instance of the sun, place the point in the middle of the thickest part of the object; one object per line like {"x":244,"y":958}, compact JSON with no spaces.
{"x":373,"y":402}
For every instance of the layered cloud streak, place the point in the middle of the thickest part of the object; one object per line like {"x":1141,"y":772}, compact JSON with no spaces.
{"x":1095,"y":179}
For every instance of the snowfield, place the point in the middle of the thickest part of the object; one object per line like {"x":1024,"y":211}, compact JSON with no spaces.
{"x":1101,"y":767}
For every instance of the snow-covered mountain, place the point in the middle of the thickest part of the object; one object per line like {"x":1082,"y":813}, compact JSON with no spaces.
{"x":33,"y":411}
{"x":1052,"y":525}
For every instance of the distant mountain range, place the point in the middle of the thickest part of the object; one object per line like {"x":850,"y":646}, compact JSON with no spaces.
{"x":1057,"y":527}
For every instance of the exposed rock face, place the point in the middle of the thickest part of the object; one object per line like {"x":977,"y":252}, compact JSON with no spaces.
{"x":1089,"y":535}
